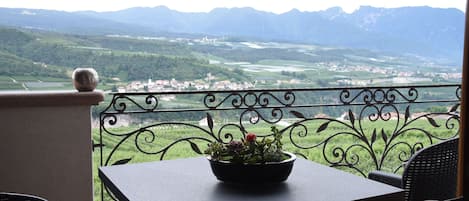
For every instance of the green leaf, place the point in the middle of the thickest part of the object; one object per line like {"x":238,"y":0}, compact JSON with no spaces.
{"x":195,"y":148}
{"x":297,"y":114}
{"x":123,"y":161}
{"x":351,"y":117}
{"x":323,"y":127}
{"x":432,"y":122}
{"x":384,"y":136}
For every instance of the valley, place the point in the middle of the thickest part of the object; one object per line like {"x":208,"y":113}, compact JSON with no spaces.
{"x":38,"y":60}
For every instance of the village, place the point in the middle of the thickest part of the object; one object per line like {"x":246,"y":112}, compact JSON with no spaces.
{"x":175,"y":85}
{"x":211,"y":82}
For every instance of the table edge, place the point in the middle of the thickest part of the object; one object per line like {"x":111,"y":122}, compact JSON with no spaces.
{"x":110,"y":185}
{"x":397,"y":195}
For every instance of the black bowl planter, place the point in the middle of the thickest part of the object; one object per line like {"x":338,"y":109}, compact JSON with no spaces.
{"x":270,"y":172}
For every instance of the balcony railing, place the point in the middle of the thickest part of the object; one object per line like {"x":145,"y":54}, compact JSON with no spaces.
{"x":356,"y":129}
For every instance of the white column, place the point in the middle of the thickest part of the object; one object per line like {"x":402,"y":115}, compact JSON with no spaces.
{"x":45,"y":144}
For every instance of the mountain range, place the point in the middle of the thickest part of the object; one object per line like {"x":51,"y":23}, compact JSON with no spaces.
{"x":423,"y":31}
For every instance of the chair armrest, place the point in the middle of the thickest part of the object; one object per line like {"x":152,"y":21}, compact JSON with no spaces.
{"x":387,"y":178}
{"x":456,"y":199}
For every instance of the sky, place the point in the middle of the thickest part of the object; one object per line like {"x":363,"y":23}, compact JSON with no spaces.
{"x":275,"y":6}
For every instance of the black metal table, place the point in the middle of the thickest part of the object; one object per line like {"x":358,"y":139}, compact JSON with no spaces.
{"x":192,"y":179}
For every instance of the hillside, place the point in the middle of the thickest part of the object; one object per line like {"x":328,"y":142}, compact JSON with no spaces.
{"x":32,"y":58}
{"x":430,"y":32}
{"x":65,"y":22}
{"x":50,"y":54}
{"x":13,"y":42}
{"x":426,"y":31}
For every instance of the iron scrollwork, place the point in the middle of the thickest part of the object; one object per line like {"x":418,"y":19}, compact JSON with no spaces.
{"x":377,"y":95}
{"x":122,"y":103}
{"x":249,"y":99}
{"x":378,"y":106}
{"x":357,"y":140}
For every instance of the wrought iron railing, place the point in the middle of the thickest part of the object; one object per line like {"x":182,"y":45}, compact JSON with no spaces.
{"x":358,"y":129}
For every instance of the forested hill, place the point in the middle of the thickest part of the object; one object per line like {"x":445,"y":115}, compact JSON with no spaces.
{"x":13,"y":45}
{"x":24,"y":52}
{"x":425,"y":31}
{"x":434,"y":33}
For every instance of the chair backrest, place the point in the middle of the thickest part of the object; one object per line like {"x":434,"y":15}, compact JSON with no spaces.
{"x":19,"y":197}
{"x":431,"y":173}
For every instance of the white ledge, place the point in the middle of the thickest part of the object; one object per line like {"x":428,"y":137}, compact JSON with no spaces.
{"x":49,"y":98}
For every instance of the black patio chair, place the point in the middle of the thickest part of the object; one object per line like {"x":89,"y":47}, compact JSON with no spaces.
{"x":19,"y":197}
{"x":430,"y":174}
{"x":456,"y":199}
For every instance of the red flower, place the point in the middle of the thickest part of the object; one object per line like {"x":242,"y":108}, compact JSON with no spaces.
{"x":251,"y":137}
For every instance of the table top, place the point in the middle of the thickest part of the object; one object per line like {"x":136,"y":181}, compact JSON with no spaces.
{"x":192,"y":179}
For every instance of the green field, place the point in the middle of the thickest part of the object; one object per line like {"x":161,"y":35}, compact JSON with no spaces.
{"x":10,"y":86}
{"x":5,"y":78}
{"x":35,"y":83}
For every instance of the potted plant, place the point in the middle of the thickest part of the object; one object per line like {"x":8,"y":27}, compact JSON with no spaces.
{"x":251,"y":160}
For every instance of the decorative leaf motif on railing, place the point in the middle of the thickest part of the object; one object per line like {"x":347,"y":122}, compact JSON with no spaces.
{"x":366,"y":110}
{"x":122,"y":161}
{"x":341,"y":155}
{"x":145,"y":137}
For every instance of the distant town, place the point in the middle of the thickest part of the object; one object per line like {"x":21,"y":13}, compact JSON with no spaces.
{"x":175,"y":85}
{"x":211,"y":82}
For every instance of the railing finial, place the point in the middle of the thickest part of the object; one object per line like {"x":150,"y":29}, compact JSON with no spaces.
{"x":85,"y":79}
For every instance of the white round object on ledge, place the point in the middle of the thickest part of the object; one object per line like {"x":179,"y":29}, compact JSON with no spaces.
{"x":85,"y":79}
